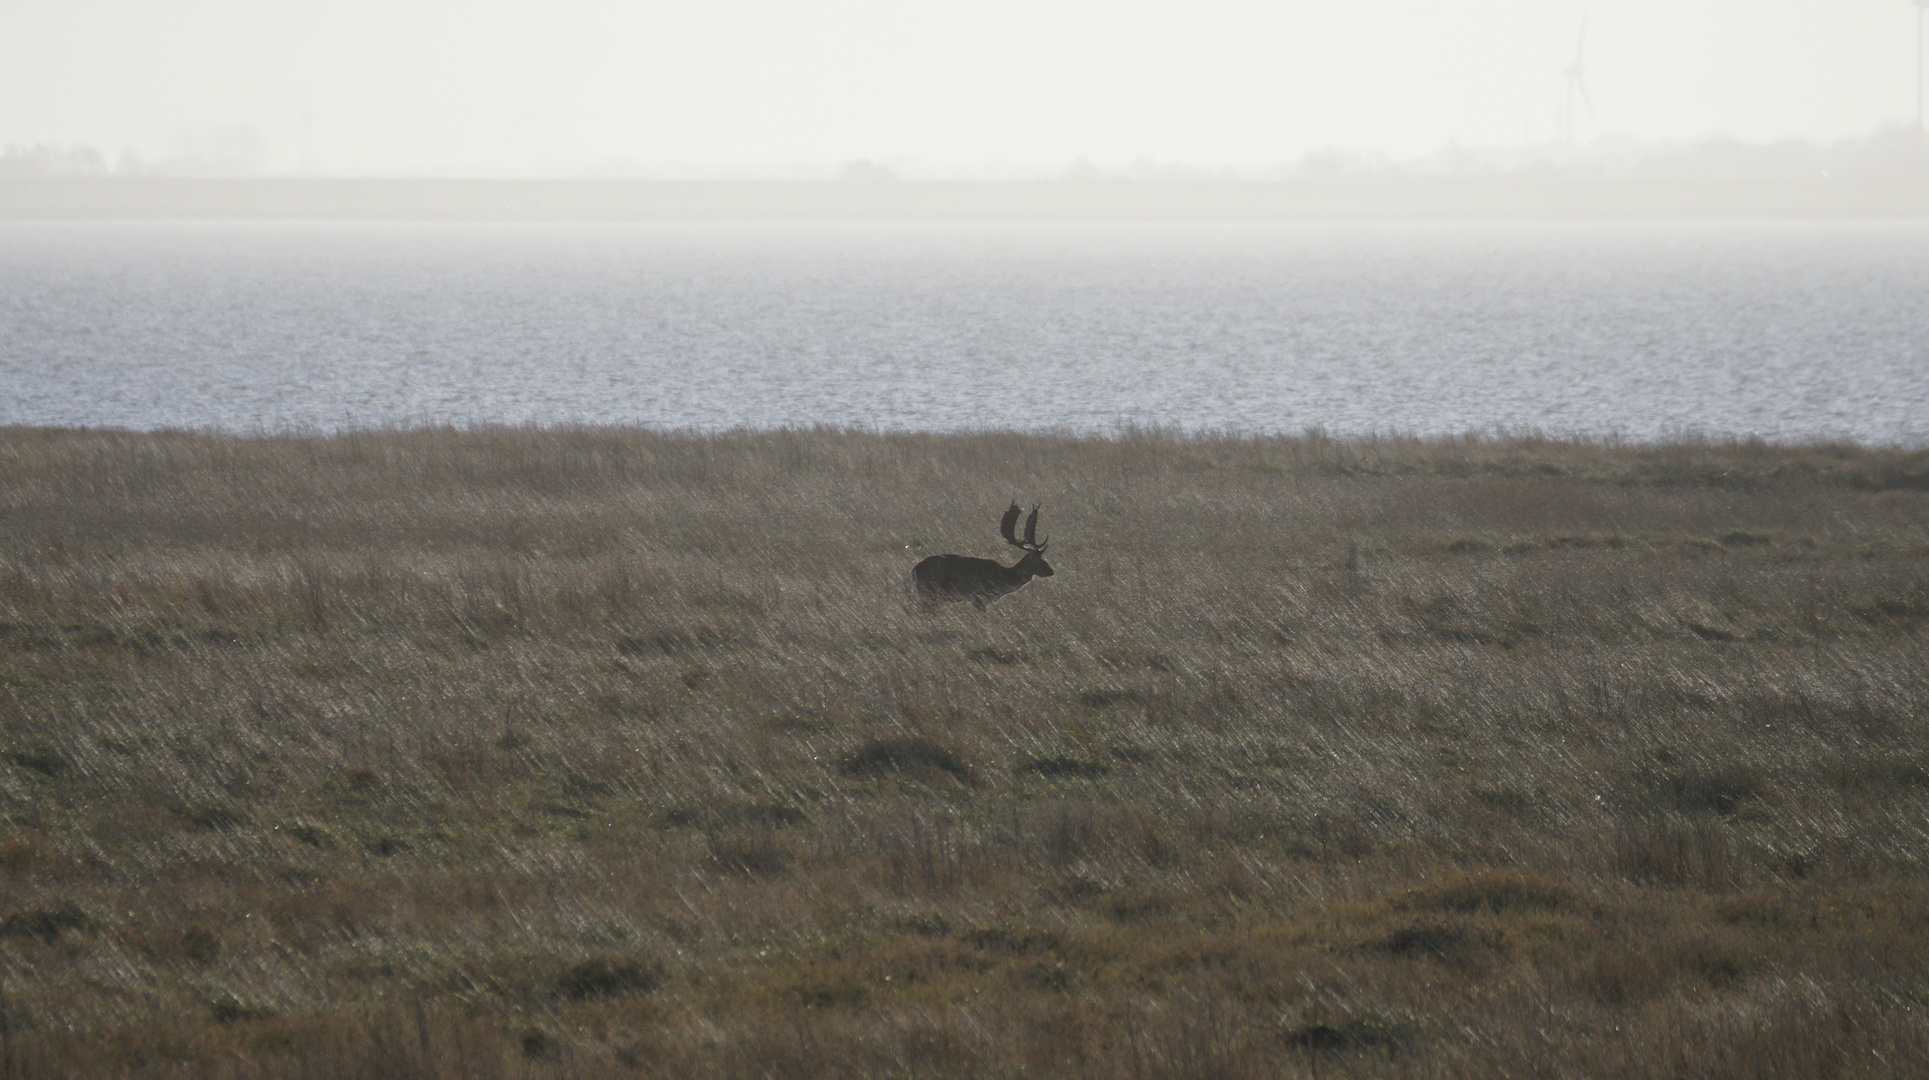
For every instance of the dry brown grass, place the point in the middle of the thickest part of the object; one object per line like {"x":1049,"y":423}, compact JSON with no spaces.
{"x":602,"y":752}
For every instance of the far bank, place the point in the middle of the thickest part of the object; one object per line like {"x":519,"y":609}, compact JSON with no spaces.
{"x":1512,"y":198}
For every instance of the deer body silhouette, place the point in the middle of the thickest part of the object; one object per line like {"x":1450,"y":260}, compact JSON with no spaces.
{"x":961,"y":577}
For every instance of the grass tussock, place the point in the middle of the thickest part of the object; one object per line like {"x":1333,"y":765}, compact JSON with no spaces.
{"x":615,"y":753}
{"x":915,"y":757}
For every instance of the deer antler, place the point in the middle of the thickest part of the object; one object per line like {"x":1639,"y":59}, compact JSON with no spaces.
{"x":1009,"y":526}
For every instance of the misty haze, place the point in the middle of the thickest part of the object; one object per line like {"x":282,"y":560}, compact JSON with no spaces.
{"x":762,"y":89}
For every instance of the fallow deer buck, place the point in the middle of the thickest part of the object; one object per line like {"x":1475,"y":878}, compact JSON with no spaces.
{"x":961,"y":577}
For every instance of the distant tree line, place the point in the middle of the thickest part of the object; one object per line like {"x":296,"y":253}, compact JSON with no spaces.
{"x":1892,"y":151}
{"x":52,"y":159}
{"x":236,"y":150}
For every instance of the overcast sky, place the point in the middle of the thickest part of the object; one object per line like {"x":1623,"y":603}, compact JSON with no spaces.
{"x":484,"y":87}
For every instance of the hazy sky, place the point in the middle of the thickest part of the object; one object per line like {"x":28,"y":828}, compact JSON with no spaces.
{"x":489,"y":87}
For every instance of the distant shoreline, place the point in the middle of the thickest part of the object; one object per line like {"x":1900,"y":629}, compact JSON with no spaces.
{"x":1368,"y":199}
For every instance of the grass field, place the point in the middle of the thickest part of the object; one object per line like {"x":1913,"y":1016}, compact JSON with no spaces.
{"x":609,"y":753}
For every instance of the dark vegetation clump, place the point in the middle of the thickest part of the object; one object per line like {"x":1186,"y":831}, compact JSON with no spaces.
{"x":915,"y":757}
{"x":1445,"y":942}
{"x":538,"y":1045}
{"x":44,"y":923}
{"x":1720,"y":790}
{"x":201,"y":945}
{"x":1358,"y":1033}
{"x":229,"y":1009}
{"x":754,"y":853}
{"x":313,"y":835}
{"x":494,"y":753}
{"x":43,"y":760}
{"x":607,"y":978}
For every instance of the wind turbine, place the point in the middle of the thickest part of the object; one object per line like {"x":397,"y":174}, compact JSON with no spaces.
{"x":1573,"y":83}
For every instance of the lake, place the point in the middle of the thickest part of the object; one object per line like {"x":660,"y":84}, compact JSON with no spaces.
{"x":1784,"y":330}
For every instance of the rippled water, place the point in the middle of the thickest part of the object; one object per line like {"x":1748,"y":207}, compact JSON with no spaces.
{"x":1783,"y":330}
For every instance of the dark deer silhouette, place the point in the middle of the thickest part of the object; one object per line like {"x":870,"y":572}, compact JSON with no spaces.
{"x":961,"y":577}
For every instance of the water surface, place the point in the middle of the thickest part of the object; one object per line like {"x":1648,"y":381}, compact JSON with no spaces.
{"x":1789,"y":331}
